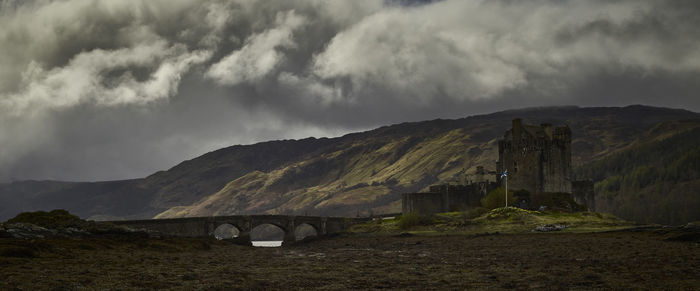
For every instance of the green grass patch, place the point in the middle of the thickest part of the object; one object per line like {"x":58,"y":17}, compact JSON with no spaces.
{"x":412,"y":220}
{"x":503,"y":220}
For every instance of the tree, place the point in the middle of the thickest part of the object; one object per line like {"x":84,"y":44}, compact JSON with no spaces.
{"x":495,"y":199}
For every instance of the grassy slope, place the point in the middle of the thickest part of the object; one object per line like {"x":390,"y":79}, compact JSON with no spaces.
{"x":352,"y":177}
{"x":502,"y":220}
{"x":653,"y":181}
{"x":368,"y":172}
{"x":339,"y":176}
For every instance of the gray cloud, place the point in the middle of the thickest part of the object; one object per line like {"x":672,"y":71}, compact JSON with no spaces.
{"x":260,"y":54}
{"x":116,"y":89}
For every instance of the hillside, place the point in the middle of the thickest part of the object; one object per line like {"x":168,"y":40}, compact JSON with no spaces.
{"x":357,"y":173}
{"x":654,"y":181}
{"x":367,"y":174}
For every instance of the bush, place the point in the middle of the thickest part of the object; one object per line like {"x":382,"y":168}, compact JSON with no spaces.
{"x":54,"y":219}
{"x":412,"y":219}
{"x":495,"y":199}
{"x":558,"y":201}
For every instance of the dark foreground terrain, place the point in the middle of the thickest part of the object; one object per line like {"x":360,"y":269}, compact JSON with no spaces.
{"x":648,"y":259}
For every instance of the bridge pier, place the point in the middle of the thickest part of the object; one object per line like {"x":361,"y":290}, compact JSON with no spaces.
{"x":289,"y":228}
{"x":321,"y":231}
{"x":243,"y":238}
{"x":289,"y":237}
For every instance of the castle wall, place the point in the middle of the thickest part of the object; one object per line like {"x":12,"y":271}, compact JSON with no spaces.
{"x":422,"y":203}
{"x":460,"y":197}
{"x":446,"y":198}
{"x":522,"y":163}
{"x":557,"y":162}
{"x":538,"y":160}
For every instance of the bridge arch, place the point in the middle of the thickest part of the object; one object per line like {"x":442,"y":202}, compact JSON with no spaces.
{"x":306,"y":229}
{"x":266,"y":231}
{"x":206,"y":226}
{"x":278,"y":224}
{"x":227,"y":231}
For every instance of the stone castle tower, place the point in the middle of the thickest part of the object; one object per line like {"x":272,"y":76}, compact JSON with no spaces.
{"x":537,"y":159}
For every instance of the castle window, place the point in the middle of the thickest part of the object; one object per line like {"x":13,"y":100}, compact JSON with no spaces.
{"x":515,"y":167}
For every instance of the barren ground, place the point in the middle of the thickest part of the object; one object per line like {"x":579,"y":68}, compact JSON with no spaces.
{"x":629,"y":259}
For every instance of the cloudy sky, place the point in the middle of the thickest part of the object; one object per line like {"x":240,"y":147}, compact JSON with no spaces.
{"x":95,"y":90}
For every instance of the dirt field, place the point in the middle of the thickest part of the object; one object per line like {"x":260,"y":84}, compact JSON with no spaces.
{"x":630,"y":260}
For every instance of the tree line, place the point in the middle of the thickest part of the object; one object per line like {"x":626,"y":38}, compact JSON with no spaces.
{"x":655,"y":182}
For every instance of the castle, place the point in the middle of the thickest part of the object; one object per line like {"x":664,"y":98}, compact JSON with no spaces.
{"x":538,"y":161}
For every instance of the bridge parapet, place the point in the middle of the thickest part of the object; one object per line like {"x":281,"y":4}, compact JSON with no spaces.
{"x":205,"y":226}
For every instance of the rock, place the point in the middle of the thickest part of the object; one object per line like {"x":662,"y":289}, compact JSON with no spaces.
{"x":3,"y":232}
{"x":27,"y":230}
{"x":72,"y":231}
{"x":551,"y":227}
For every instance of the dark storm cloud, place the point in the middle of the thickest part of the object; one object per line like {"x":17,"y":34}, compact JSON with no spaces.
{"x":115,"y":89}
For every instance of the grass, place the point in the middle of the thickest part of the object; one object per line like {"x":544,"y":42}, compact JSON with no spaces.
{"x":502,"y":220}
{"x":411,"y":220}
{"x":54,"y":219}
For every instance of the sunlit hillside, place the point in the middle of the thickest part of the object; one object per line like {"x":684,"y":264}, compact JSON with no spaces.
{"x":359,"y":173}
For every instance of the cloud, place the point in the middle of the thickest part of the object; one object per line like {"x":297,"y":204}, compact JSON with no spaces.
{"x":84,"y":79}
{"x":114,"y":89}
{"x":473,"y":50}
{"x":259,"y":55}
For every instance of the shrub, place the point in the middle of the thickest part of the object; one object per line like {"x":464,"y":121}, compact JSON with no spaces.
{"x":495,"y":199}
{"x":54,"y":219}
{"x":558,"y":201}
{"x":412,"y":219}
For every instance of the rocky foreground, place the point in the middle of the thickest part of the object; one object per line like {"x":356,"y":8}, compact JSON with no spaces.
{"x":643,"y":258}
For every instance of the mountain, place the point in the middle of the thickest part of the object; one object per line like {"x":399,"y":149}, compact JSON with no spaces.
{"x":657,"y":180}
{"x":356,"y":173}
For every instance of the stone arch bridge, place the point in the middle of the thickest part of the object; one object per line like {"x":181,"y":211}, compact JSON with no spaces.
{"x":205,"y":226}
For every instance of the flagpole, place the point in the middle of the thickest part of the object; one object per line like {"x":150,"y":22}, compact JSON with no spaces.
{"x":506,"y":189}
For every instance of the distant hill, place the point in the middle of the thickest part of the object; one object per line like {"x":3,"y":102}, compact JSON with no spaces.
{"x":656,"y":180}
{"x":356,"y":173}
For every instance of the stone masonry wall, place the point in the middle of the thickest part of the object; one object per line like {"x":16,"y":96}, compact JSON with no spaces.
{"x":538,"y":161}
{"x":422,"y":203}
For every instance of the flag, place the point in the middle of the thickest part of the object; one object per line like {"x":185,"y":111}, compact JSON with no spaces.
{"x":505,"y":174}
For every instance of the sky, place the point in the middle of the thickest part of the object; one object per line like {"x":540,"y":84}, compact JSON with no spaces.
{"x":104,"y":90}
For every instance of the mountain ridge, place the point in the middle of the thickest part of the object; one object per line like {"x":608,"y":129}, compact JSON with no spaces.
{"x":359,"y":172}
